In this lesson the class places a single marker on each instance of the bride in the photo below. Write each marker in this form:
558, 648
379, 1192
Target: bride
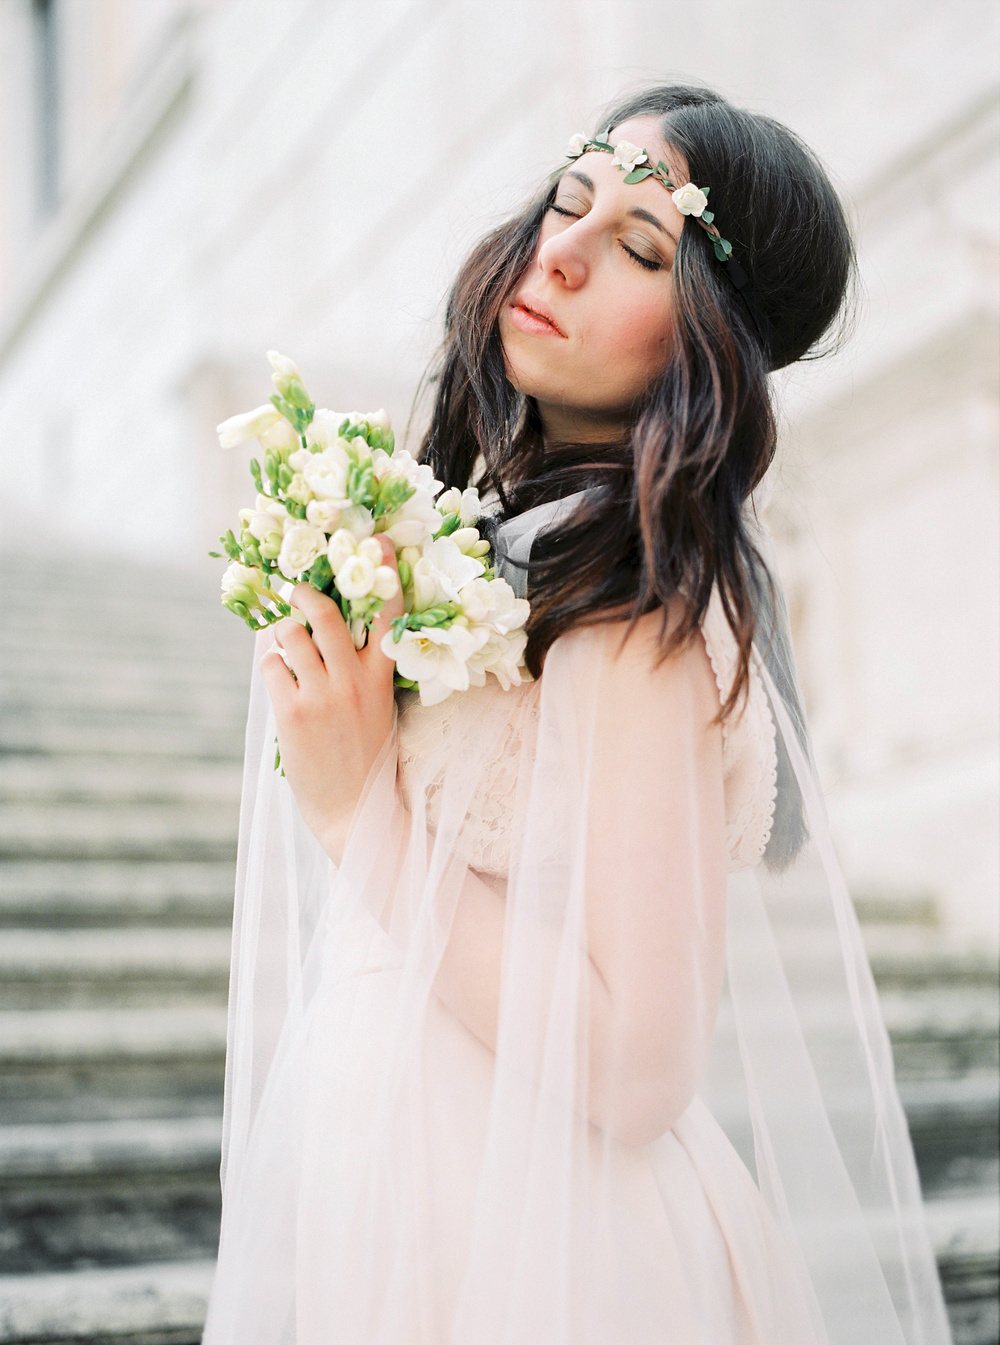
550, 1021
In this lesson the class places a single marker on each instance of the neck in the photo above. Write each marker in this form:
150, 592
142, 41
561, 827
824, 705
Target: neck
572, 425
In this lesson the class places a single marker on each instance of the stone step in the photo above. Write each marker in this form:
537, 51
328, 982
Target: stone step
42, 893
129, 831
158, 1304
58, 664
93, 1060
61, 734
113, 780
114, 697
81, 1150
942, 1031
914, 956
953, 1124
965, 1233
120, 967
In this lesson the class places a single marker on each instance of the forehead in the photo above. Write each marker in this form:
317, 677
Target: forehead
651, 195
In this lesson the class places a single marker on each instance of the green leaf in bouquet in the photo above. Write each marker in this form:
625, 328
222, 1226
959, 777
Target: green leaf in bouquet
405, 573
374, 437
392, 494
252, 553
216, 555
449, 524
388, 441
285, 475
237, 608
361, 483
271, 464
296, 394
255, 473
400, 681
320, 575
345, 425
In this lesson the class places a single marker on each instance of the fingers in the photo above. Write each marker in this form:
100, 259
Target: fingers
278, 678
374, 660
330, 633
303, 656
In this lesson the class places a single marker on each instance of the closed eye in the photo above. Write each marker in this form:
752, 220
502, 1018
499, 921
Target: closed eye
647, 263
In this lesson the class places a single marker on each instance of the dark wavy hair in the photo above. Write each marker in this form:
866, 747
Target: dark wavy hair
669, 521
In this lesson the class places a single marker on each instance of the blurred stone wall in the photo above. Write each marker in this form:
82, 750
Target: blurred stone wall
231, 175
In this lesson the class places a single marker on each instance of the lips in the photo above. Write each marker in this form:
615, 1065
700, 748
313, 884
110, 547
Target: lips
531, 314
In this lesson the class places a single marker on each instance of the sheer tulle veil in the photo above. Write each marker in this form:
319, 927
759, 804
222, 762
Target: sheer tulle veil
367, 1199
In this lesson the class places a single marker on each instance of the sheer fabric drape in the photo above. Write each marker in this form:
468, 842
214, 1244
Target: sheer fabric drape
404, 1166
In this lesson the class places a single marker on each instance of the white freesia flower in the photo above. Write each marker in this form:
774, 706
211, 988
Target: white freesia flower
356, 577
378, 420
264, 524
358, 520
628, 156
249, 425
415, 521
323, 514
464, 503
689, 199
441, 572
239, 576
268, 505
465, 539
285, 373
299, 458
298, 489
281, 437
492, 602
501, 655
401, 463
326, 474
436, 658
301, 545
577, 144
324, 426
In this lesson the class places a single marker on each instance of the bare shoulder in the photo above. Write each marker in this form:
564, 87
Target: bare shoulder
635, 665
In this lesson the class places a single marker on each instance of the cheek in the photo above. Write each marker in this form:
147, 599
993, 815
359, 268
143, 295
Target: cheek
634, 326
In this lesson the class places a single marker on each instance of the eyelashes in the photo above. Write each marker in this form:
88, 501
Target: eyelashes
645, 262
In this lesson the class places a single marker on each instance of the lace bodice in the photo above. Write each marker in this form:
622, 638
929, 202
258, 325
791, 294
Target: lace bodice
748, 758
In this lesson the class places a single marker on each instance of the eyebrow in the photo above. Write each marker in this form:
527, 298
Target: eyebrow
636, 211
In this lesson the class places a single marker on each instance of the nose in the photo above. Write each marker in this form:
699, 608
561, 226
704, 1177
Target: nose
562, 258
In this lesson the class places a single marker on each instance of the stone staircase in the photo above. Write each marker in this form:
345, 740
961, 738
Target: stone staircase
940, 1001
120, 745
122, 707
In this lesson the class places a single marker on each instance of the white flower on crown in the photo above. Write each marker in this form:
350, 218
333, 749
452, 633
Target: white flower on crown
689, 199
300, 546
436, 658
628, 156
577, 144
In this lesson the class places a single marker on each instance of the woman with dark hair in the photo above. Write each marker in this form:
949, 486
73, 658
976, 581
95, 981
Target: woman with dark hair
550, 1021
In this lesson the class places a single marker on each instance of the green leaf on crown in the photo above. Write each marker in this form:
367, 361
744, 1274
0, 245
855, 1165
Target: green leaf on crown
637, 175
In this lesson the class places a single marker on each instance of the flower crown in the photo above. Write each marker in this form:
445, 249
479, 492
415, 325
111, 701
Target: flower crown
689, 199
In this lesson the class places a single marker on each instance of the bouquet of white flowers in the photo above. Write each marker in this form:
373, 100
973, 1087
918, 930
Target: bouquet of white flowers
328, 483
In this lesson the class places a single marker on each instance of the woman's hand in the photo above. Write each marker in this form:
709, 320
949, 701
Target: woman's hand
333, 720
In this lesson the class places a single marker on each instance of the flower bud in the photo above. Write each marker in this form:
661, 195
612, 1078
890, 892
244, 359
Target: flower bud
479, 549
355, 577
342, 546
372, 549
386, 584
249, 425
